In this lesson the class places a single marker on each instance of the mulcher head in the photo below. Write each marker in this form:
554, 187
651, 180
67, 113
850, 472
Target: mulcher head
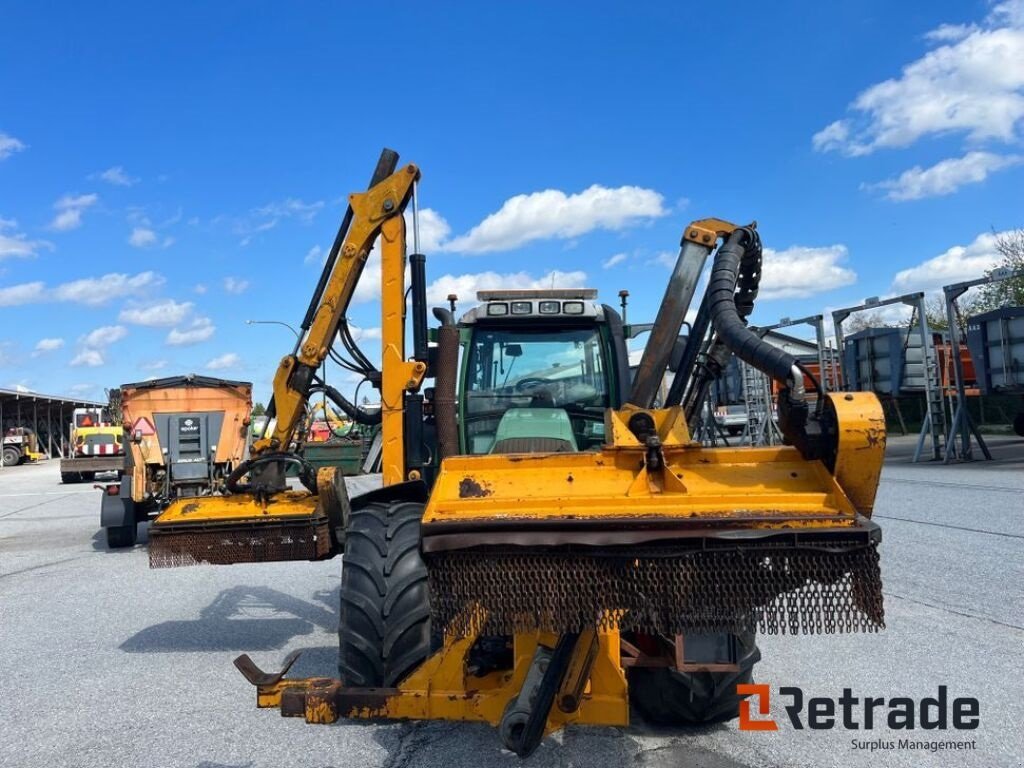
778, 586
687, 540
244, 528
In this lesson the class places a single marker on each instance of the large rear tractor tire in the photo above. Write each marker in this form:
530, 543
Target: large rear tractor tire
121, 536
384, 629
669, 697
1018, 424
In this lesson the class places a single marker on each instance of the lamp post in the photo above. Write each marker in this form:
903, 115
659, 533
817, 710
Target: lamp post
274, 322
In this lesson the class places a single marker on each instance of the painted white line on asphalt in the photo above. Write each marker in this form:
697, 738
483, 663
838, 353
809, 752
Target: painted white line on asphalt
47, 493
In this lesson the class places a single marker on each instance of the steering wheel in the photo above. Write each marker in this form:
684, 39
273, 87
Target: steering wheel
530, 382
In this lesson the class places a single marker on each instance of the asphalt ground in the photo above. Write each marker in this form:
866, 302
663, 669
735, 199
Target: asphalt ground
106, 663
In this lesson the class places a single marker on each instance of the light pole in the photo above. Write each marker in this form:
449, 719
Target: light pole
298, 341
274, 322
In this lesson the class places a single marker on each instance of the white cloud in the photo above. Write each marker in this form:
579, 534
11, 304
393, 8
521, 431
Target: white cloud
22, 388
80, 389
554, 214
832, 136
47, 345
268, 216
961, 262
116, 176
201, 329
153, 365
199, 288
290, 207
95, 291
70, 209
25, 293
228, 360
104, 336
612, 261
163, 314
973, 84
9, 145
91, 291
665, 259
466, 286
90, 358
798, 272
945, 177
368, 287
235, 285
434, 230
142, 237
315, 255
17, 245
365, 334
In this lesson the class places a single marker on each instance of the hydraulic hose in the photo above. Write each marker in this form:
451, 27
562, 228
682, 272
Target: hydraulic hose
351, 410
737, 265
307, 473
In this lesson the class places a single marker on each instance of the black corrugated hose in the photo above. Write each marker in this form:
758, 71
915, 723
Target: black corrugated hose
737, 264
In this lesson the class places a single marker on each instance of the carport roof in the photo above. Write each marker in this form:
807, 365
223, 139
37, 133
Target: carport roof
14, 395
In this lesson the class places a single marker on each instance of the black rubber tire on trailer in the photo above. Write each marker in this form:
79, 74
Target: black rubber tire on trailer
668, 697
1018, 424
70, 477
12, 457
384, 627
121, 536
88, 477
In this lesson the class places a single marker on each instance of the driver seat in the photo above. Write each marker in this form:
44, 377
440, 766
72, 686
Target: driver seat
534, 430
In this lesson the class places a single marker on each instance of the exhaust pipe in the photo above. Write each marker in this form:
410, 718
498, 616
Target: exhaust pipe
445, 378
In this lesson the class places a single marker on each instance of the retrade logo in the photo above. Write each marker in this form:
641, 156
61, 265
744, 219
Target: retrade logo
761, 692
898, 713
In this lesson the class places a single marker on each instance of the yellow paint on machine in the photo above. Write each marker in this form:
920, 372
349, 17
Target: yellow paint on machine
443, 689
766, 486
285, 506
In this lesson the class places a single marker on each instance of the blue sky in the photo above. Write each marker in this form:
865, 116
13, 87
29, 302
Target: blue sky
168, 172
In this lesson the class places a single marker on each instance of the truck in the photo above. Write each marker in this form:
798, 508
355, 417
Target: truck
97, 445
20, 445
184, 435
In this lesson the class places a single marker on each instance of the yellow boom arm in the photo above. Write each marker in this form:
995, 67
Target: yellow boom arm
376, 212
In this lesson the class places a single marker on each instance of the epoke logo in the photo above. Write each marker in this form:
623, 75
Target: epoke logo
189, 425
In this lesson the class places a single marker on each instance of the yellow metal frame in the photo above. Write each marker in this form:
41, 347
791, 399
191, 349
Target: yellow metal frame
442, 689
375, 213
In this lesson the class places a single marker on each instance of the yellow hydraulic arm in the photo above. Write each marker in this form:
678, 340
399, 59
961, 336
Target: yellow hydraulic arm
376, 212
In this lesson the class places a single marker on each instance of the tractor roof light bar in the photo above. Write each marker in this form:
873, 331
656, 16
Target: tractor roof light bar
935, 415
963, 425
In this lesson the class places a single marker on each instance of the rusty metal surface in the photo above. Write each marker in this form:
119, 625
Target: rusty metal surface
240, 543
779, 588
257, 676
601, 532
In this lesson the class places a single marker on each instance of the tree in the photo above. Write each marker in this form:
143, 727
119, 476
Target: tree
1002, 293
860, 321
1009, 292
967, 306
258, 409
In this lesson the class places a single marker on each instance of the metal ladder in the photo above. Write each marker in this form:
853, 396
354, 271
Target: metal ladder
760, 428
830, 374
934, 425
